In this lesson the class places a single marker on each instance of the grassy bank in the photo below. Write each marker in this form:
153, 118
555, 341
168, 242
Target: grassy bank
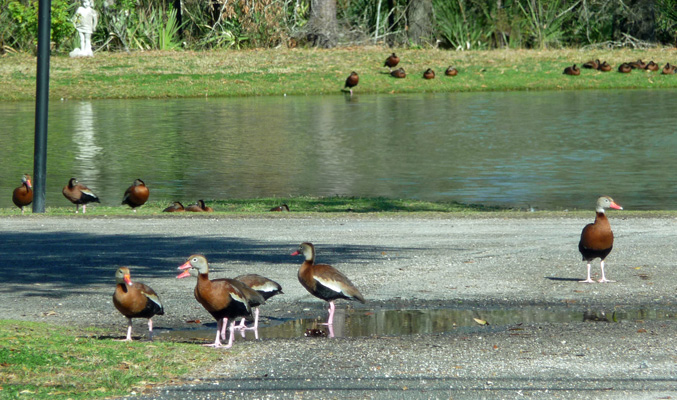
328, 207
313, 71
297, 205
41, 361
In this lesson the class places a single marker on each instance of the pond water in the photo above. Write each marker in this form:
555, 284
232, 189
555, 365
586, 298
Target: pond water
358, 323
554, 150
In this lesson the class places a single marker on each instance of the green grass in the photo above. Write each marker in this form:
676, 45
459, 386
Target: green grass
41, 361
297, 205
326, 207
313, 71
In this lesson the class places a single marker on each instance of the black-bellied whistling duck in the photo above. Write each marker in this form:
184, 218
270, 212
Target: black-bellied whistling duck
399, 73
264, 286
573, 70
429, 74
222, 298
668, 69
200, 206
23, 195
651, 66
175, 207
624, 68
78, 194
639, 64
324, 281
597, 239
451, 71
592, 64
391, 61
281, 208
136, 195
604, 67
135, 300
351, 81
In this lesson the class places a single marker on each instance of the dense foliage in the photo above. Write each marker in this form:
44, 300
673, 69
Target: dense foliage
458, 24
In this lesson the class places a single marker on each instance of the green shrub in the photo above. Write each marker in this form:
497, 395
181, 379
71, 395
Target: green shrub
22, 17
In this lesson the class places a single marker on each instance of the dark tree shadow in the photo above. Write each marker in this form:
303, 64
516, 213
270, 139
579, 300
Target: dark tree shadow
72, 260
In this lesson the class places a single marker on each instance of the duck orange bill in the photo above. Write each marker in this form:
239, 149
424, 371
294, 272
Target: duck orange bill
615, 206
296, 253
183, 274
128, 280
28, 181
186, 270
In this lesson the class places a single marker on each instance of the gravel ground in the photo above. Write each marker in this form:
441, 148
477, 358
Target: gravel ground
61, 270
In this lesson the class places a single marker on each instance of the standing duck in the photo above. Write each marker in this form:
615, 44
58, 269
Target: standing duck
451, 71
391, 61
281, 208
78, 194
351, 81
597, 239
604, 67
136, 195
324, 281
264, 286
398, 73
624, 68
175, 207
668, 69
135, 300
573, 70
222, 298
429, 74
23, 195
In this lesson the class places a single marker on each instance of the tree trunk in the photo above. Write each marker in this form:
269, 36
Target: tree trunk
322, 28
420, 17
390, 39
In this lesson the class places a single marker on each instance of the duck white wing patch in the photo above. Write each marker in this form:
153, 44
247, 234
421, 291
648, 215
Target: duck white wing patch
331, 284
238, 298
89, 193
153, 298
267, 287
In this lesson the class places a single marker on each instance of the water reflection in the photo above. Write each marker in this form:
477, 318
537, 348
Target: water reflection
86, 150
357, 323
544, 149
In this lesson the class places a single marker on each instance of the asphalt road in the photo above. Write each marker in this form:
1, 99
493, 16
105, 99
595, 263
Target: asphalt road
61, 270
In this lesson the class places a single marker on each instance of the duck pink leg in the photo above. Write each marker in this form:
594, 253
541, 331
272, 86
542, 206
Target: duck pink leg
150, 329
84, 208
217, 341
129, 332
256, 321
224, 326
588, 280
232, 335
603, 279
332, 308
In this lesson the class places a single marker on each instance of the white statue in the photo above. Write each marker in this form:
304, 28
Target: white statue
85, 19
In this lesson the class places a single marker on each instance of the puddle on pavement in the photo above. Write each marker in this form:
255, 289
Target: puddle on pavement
360, 323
